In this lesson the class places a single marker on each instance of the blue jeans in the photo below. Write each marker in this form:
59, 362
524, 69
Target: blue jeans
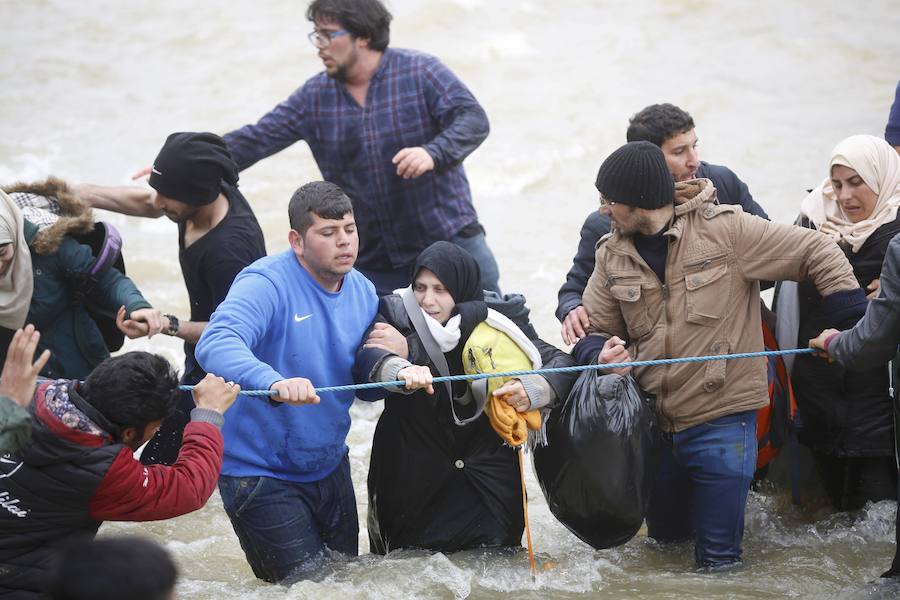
701, 487
284, 526
394, 279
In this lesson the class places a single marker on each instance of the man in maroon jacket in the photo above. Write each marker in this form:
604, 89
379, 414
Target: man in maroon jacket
79, 469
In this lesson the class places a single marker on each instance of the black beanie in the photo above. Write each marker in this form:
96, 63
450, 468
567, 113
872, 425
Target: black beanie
637, 175
190, 168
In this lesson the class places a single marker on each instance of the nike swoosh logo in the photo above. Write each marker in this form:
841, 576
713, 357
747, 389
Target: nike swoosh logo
298, 318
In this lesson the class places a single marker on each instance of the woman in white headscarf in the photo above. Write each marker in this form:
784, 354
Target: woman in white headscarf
847, 417
16, 283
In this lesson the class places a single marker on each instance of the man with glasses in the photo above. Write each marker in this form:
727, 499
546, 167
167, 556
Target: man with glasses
391, 127
672, 129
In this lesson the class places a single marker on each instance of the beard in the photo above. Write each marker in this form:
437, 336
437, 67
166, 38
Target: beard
339, 72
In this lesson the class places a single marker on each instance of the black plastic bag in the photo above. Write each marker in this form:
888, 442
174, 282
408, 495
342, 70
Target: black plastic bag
597, 468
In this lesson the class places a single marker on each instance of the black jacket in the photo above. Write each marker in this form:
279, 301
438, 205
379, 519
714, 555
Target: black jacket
729, 190
433, 484
844, 413
51, 495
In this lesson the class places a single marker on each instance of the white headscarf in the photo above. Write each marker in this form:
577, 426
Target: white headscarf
878, 164
17, 284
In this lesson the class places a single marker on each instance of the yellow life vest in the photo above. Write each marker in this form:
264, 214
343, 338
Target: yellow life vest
489, 350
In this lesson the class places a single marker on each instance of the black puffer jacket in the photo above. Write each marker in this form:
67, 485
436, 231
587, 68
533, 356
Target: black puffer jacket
844, 413
433, 484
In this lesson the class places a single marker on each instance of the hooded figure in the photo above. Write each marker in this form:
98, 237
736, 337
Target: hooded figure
440, 477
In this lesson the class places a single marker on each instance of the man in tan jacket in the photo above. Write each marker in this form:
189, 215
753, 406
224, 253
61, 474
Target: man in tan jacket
679, 276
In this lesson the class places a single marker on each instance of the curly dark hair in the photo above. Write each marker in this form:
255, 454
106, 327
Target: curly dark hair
368, 19
657, 123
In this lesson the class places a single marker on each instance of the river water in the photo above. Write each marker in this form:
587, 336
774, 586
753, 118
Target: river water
92, 88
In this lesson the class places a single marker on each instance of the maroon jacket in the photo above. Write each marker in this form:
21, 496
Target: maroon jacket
73, 475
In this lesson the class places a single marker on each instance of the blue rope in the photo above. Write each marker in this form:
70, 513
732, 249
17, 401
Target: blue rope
638, 363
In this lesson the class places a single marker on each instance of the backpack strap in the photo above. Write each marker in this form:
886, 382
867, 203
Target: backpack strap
479, 387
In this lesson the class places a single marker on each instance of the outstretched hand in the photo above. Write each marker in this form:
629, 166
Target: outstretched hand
143, 322
19, 373
820, 341
575, 325
215, 393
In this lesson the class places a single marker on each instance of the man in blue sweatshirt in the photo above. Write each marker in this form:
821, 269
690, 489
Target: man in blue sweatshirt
292, 321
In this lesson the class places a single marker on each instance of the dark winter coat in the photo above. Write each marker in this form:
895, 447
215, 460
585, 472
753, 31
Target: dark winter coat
844, 413
433, 484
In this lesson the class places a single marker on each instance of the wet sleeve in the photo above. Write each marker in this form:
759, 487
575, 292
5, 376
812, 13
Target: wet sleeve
595, 226
275, 131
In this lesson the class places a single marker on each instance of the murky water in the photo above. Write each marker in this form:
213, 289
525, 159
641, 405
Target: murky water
91, 89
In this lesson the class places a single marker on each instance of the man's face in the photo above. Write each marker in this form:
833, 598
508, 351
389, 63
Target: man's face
681, 155
627, 220
177, 211
7, 253
328, 249
341, 53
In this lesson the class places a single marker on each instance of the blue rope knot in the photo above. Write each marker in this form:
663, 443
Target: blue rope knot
474, 376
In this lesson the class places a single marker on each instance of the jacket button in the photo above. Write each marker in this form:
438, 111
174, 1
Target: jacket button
709, 386
459, 464
708, 212
631, 294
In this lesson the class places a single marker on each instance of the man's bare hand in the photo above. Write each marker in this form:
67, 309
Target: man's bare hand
413, 162
142, 322
818, 343
514, 393
19, 373
215, 393
417, 377
614, 351
873, 288
295, 391
575, 325
386, 337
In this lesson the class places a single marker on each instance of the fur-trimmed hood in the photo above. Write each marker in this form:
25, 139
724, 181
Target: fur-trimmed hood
74, 215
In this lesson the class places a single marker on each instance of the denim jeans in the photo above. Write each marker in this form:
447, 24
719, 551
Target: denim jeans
701, 487
476, 245
284, 527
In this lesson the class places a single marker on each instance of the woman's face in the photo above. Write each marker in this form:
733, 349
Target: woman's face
7, 252
432, 296
856, 199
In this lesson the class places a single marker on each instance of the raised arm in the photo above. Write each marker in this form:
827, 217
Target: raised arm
275, 131
225, 348
127, 200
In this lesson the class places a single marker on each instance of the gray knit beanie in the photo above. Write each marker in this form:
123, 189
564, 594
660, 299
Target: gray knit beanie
636, 174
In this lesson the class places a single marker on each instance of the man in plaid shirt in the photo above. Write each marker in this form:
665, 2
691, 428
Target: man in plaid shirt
391, 127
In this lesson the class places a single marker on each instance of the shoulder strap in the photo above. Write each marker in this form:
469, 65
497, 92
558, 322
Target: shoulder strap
440, 362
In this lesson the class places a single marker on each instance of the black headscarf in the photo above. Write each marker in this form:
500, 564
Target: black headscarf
191, 167
459, 273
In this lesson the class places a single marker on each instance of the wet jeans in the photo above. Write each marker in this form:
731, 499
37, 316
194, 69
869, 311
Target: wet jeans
701, 487
285, 527
476, 245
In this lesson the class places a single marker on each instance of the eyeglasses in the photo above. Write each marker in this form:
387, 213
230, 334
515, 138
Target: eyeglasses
604, 201
322, 39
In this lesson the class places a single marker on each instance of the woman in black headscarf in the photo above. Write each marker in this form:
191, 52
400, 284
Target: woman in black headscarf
440, 477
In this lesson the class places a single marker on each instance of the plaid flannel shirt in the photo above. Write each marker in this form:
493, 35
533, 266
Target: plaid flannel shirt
413, 100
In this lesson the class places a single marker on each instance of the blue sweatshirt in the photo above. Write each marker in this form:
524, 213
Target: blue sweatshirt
278, 323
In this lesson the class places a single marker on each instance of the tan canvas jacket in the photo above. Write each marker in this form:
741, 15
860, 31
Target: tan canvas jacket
710, 303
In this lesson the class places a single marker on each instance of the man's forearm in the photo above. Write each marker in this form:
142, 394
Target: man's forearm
127, 200
190, 331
